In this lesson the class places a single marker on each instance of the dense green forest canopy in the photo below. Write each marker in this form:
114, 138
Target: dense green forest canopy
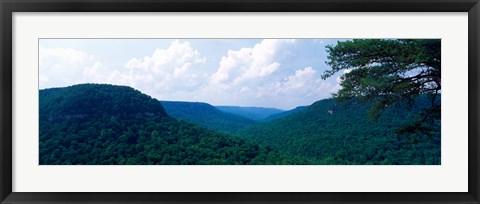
330, 132
105, 124
93, 100
386, 71
206, 115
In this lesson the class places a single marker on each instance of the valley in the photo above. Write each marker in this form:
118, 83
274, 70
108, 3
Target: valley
120, 125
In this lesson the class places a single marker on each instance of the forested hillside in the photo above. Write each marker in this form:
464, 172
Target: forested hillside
205, 115
106, 124
285, 113
342, 133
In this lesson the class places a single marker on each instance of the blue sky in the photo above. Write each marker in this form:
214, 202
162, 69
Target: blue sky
280, 73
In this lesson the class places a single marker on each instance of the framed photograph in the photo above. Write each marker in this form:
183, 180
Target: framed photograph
227, 102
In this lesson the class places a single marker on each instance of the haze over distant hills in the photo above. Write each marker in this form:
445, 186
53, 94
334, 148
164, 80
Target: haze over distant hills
254, 113
206, 115
283, 114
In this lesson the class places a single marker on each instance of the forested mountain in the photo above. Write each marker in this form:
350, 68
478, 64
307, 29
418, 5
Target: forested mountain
285, 113
93, 100
105, 124
254, 113
338, 133
205, 115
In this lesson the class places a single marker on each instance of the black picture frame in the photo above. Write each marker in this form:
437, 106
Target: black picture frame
7, 7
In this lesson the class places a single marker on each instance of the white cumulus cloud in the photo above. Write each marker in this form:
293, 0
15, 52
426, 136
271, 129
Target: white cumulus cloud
164, 71
250, 63
300, 81
66, 66
271, 73
302, 85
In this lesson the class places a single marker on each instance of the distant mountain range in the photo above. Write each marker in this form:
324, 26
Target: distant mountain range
213, 118
283, 114
206, 115
254, 113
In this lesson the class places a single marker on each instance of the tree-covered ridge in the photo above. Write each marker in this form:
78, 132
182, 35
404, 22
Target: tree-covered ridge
95, 100
283, 114
206, 115
331, 132
104, 124
254, 113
